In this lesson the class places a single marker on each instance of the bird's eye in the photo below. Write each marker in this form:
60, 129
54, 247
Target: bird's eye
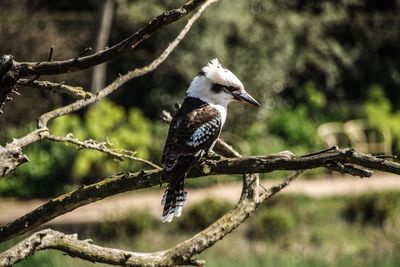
217, 88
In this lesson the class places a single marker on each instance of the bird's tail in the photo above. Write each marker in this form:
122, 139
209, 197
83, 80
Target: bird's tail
173, 200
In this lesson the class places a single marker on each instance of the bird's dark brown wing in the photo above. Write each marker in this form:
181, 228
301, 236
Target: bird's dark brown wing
190, 136
192, 133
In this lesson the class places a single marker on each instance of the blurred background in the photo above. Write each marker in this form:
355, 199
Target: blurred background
326, 73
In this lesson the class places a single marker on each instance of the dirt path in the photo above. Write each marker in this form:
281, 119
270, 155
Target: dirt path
112, 207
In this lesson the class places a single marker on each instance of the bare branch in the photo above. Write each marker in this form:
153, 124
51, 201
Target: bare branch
8, 78
225, 149
227, 223
10, 159
349, 168
102, 147
122, 182
181, 254
42, 130
74, 91
80, 63
49, 239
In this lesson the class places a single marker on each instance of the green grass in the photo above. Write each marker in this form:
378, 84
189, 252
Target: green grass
319, 235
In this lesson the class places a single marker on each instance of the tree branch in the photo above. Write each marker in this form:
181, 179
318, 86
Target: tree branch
74, 91
10, 159
49, 239
42, 131
80, 63
122, 182
120, 154
8, 78
181, 254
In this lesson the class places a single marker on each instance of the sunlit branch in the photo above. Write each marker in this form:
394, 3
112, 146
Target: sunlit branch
74, 91
101, 147
122, 182
181, 254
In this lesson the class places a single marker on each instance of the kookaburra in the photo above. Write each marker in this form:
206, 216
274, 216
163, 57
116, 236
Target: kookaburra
195, 128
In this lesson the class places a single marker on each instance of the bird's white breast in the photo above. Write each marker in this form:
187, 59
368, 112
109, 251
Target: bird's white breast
222, 111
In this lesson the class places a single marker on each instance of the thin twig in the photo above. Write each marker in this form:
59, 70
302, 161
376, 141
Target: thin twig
382, 156
332, 148
275, 189
79, 63
42, 130
50, 57
102, 147
74, 91
84, 52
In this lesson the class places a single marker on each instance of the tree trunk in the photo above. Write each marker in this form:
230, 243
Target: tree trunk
105, 18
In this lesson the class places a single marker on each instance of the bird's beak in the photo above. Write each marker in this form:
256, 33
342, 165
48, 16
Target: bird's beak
246, 98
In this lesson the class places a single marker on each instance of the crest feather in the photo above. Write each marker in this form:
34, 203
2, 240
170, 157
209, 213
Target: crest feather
215, 62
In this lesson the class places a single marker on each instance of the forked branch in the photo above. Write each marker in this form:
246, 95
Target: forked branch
80, 63
181, 254
119, 154
42, 131
122, 182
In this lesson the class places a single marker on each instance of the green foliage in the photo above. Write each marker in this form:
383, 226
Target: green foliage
132, 223
310, 58
379, 112
53, 166
289, 128
320, 237
270, 224
45, 174
106, 121
139, 221
372, 209
316, 100
272, 46
202, 214
295, 127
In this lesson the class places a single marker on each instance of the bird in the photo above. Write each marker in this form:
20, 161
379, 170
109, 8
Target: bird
195, 128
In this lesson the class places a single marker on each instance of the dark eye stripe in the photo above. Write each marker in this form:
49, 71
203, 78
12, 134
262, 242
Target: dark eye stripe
231, 88
217, 88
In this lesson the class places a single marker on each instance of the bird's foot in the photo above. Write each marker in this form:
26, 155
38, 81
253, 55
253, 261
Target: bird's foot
212, 155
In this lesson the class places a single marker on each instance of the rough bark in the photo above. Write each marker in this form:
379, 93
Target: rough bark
181, 254
74, 91
10, 159
126, 181
79, 63
43, 132
8, 79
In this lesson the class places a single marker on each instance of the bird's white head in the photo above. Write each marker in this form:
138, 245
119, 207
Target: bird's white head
218, 85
